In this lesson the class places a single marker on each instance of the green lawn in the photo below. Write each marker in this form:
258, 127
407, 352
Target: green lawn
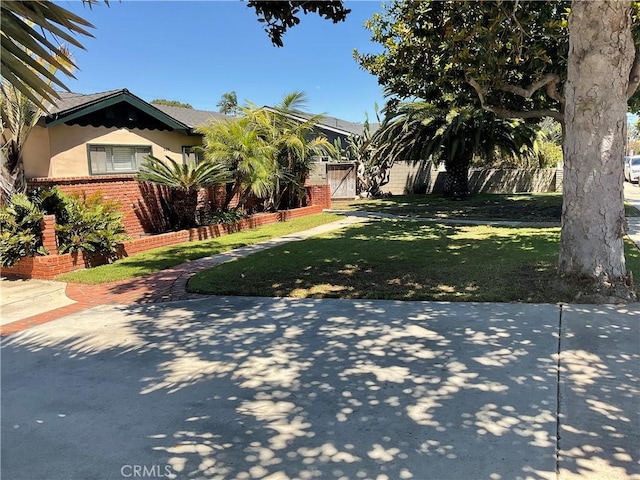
405, 261
527, 207
158, 259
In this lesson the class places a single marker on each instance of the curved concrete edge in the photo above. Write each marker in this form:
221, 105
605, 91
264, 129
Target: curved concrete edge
21, 299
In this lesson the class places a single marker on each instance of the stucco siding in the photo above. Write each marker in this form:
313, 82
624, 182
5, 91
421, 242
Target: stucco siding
61, 151
37, 148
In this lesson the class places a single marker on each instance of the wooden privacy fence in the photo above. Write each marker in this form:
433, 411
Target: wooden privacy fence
342, 179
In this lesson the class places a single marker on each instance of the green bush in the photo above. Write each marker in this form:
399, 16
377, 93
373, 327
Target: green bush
90, 225
549, 154
233, 215
20, 230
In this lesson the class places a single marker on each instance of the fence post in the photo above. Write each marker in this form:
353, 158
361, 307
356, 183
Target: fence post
49, 241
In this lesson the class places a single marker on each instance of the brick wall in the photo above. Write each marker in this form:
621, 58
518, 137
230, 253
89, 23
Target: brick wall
319, 195
140, 202
49, 266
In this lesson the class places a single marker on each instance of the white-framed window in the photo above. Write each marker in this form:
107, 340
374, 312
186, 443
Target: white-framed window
192, 154
105, 159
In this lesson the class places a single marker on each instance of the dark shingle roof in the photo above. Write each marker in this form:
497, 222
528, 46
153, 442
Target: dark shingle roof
336, 124
190, 117
70, 102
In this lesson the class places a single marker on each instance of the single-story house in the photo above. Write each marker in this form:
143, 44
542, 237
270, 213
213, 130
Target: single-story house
109, 133
96, 142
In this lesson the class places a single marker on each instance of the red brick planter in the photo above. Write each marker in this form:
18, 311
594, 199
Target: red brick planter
140, 202
49, 266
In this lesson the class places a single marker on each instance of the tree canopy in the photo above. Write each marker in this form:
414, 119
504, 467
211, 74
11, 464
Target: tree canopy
577, 62
282, 15
510, 57
171, 103
228, 103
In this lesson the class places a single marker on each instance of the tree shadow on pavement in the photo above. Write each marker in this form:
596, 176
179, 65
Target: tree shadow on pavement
244, 388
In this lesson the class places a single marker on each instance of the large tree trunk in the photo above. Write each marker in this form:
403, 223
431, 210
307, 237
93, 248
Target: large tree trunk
601, 54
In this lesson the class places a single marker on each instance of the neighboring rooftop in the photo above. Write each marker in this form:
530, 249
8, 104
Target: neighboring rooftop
189, 116
70, 104
333, 123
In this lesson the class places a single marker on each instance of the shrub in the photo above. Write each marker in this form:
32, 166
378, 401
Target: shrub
90, 225
183, 181
222, 216
20, 230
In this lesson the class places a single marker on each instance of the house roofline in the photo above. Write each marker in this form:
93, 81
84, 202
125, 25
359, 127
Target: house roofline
112, 99
303, 119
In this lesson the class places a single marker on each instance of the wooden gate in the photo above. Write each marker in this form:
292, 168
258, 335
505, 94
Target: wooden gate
342, 179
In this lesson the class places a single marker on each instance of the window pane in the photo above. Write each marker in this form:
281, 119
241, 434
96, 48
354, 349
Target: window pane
116, 158
98, 159
141, 155
189, 155
192, 154
123, 159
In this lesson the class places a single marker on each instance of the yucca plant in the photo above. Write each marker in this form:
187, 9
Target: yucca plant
184, 181
19, 114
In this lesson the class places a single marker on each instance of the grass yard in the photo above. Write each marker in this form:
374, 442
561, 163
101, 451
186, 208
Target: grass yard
166, 257
405, 261
527, 207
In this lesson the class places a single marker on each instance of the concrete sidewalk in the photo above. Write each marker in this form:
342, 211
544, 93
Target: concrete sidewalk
26, 303
243, 388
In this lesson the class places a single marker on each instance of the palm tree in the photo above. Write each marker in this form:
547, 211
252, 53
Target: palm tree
27, 51
420, 131
184, 181
236, 143
269, 150
228, 103
296, 144
18, 116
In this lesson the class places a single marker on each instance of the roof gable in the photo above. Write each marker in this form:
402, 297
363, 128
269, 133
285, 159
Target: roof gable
112, 108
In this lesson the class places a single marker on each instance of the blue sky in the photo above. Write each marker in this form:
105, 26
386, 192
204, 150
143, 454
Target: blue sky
194, 52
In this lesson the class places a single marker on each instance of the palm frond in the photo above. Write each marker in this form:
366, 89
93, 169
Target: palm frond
32, 32
186, 176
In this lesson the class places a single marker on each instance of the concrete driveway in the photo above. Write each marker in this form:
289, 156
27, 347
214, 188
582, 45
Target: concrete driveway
23, 298
255, 388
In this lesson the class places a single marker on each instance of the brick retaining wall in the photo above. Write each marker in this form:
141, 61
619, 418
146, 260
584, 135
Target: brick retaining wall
140, 201
49, 266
